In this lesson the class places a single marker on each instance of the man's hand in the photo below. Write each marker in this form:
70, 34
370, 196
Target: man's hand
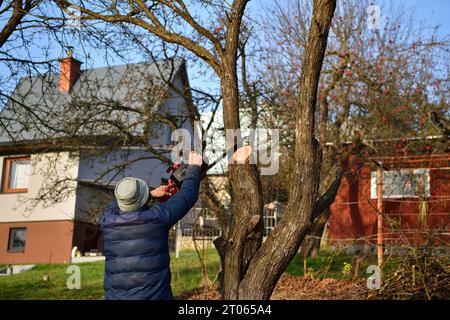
159, 192
195, 159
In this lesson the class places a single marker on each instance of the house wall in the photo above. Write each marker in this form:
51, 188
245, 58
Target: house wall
49, 228
353, 214
91, 202
150, 170
46, 242
87, 236
16, 207
53, 228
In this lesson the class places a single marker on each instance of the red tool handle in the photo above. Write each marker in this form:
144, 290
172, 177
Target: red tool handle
171, 187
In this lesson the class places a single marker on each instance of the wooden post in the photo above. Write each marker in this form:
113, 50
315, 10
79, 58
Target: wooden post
380, 217
304, 264
177, 239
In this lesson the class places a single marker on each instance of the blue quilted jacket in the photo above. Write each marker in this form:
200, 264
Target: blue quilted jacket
136, 244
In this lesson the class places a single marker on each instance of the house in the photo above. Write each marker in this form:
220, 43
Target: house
416, 196
52, 195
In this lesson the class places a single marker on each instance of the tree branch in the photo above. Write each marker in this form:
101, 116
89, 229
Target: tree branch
156, 28
441, 123
327, 198
20, 10
194, 24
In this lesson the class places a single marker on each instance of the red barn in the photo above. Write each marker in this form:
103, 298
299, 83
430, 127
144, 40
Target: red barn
416, 198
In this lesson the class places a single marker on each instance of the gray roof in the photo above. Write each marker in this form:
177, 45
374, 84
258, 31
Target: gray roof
38, 110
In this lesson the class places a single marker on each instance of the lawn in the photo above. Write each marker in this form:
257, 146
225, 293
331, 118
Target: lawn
30, 284
186, 275
338, 265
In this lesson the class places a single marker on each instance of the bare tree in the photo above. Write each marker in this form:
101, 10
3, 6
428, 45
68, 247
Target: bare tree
249, 269
85, 122
29, 37
329, 119
98, 124
374, 84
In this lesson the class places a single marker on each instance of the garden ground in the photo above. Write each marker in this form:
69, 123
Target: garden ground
331, 275
291, 287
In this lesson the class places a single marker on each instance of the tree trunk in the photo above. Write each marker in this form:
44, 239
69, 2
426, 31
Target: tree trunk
311, 245
244, 236
20, 10
330, 168
280, 247
334, 163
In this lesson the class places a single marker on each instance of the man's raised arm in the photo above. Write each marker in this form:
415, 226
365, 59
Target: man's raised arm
179, 205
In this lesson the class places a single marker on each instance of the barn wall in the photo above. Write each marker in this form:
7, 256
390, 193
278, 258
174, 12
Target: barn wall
353, 213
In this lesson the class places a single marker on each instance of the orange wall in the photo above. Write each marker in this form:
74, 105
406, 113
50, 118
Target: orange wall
46, 242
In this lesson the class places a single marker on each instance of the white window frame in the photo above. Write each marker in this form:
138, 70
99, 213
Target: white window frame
270, 219
419, 171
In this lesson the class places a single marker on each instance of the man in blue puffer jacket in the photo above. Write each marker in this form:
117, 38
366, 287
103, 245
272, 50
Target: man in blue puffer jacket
136, 236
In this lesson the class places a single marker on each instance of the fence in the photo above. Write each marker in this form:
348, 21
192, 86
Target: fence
352, 223
201, 224
404, 221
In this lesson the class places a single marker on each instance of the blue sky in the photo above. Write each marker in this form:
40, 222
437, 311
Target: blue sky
435, 12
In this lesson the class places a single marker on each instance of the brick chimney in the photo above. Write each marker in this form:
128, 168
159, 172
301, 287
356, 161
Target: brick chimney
69, 70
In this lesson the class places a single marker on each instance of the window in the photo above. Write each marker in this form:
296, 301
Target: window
17, 237
16, 174
402, 183
270, 220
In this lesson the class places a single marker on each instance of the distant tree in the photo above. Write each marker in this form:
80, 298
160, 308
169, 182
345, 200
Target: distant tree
375, 85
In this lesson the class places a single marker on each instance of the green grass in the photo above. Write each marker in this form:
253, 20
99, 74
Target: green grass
331, 264
186, 275
186, 271
30, 284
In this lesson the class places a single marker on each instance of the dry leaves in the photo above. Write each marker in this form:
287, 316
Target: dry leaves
298, 288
